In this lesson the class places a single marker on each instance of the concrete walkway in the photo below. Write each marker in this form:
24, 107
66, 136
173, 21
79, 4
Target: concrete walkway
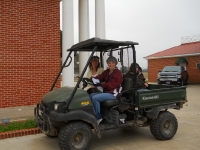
186, 138
17, 113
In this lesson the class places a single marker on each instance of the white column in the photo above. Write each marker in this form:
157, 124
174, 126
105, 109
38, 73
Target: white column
83, 31
100, 19
67, 41
100, 22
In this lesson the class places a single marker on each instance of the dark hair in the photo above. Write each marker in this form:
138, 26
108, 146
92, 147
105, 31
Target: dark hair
90, 64
137, 66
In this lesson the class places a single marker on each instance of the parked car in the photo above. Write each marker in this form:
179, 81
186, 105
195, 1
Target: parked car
173, 74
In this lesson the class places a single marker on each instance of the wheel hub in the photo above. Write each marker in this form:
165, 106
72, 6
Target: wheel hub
167, 127
77, 138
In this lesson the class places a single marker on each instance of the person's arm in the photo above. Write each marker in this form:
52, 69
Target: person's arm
141, 81
114, 82
102, 76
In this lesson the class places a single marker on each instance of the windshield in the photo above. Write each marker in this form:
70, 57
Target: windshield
171, 69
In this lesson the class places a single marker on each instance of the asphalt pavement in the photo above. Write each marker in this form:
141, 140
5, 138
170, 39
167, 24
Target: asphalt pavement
186, 138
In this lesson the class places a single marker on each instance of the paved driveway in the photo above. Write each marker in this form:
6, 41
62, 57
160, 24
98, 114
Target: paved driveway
186, 138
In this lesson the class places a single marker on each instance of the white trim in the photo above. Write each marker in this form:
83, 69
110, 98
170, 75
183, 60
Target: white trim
194, 54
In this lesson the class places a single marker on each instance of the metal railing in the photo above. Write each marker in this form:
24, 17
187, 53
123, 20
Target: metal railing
190, 39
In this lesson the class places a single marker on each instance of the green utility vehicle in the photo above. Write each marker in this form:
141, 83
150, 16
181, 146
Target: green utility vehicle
67, 112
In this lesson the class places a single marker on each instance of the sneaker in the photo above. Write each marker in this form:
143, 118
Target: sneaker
99, 120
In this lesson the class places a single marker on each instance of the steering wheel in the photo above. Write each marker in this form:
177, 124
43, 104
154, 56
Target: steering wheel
86, 81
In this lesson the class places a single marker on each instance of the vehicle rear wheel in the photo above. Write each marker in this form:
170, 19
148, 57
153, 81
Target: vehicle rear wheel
75, 136
186, 81
182, 83
164, 127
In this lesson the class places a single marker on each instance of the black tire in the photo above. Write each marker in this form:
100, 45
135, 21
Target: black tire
182, 82
164, 127
159, 82
75, 136
186, 81
51, 136
53, 133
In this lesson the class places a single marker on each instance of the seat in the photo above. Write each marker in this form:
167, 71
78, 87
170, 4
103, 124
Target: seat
126, 95
126, 86
109, 103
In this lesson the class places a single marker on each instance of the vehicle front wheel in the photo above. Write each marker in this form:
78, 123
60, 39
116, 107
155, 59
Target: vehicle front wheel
52, 133
164, 127
75, 136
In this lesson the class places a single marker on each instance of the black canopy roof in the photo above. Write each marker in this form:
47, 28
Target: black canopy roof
102, 44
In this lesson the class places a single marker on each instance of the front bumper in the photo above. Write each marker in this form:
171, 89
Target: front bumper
43, 121
169, 80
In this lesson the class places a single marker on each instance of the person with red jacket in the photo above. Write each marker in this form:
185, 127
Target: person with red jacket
110, 80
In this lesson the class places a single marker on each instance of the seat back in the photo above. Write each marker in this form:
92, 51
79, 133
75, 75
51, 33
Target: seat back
127, 84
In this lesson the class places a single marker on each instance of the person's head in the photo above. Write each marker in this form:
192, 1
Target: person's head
112, 62
138, 68
94, 63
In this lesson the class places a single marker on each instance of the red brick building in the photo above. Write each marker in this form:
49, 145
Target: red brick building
29, 51
187, 55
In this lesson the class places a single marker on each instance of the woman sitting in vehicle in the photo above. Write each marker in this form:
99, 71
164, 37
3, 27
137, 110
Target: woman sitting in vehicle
94, 70
141, 84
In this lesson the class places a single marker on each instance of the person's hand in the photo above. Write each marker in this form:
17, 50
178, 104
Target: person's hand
88, 80
97, 84
146, 84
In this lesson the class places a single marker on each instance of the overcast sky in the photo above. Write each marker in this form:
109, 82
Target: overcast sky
155, 24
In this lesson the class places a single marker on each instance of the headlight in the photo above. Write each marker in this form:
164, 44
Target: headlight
60, 107
56, 106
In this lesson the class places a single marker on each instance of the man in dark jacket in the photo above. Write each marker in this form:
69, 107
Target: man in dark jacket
141, 84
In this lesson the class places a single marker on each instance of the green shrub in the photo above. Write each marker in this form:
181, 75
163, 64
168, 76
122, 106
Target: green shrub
29, 123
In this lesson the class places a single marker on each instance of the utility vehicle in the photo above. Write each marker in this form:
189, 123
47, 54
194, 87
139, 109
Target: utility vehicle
67, 112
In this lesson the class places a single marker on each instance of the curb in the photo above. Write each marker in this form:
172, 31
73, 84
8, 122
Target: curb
18, 133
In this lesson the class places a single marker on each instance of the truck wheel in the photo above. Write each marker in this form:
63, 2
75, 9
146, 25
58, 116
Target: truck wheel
182, 83
75, 136
52, 133
51, 136
164, 127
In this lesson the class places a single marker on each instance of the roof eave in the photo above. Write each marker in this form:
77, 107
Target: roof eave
159, 57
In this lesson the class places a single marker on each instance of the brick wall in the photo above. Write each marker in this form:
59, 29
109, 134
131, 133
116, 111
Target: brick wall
154, 65
29, 51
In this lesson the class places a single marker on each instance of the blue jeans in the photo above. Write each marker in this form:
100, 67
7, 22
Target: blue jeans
96, 98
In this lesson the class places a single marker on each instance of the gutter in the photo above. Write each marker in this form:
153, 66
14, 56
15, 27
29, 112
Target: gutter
194, 54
